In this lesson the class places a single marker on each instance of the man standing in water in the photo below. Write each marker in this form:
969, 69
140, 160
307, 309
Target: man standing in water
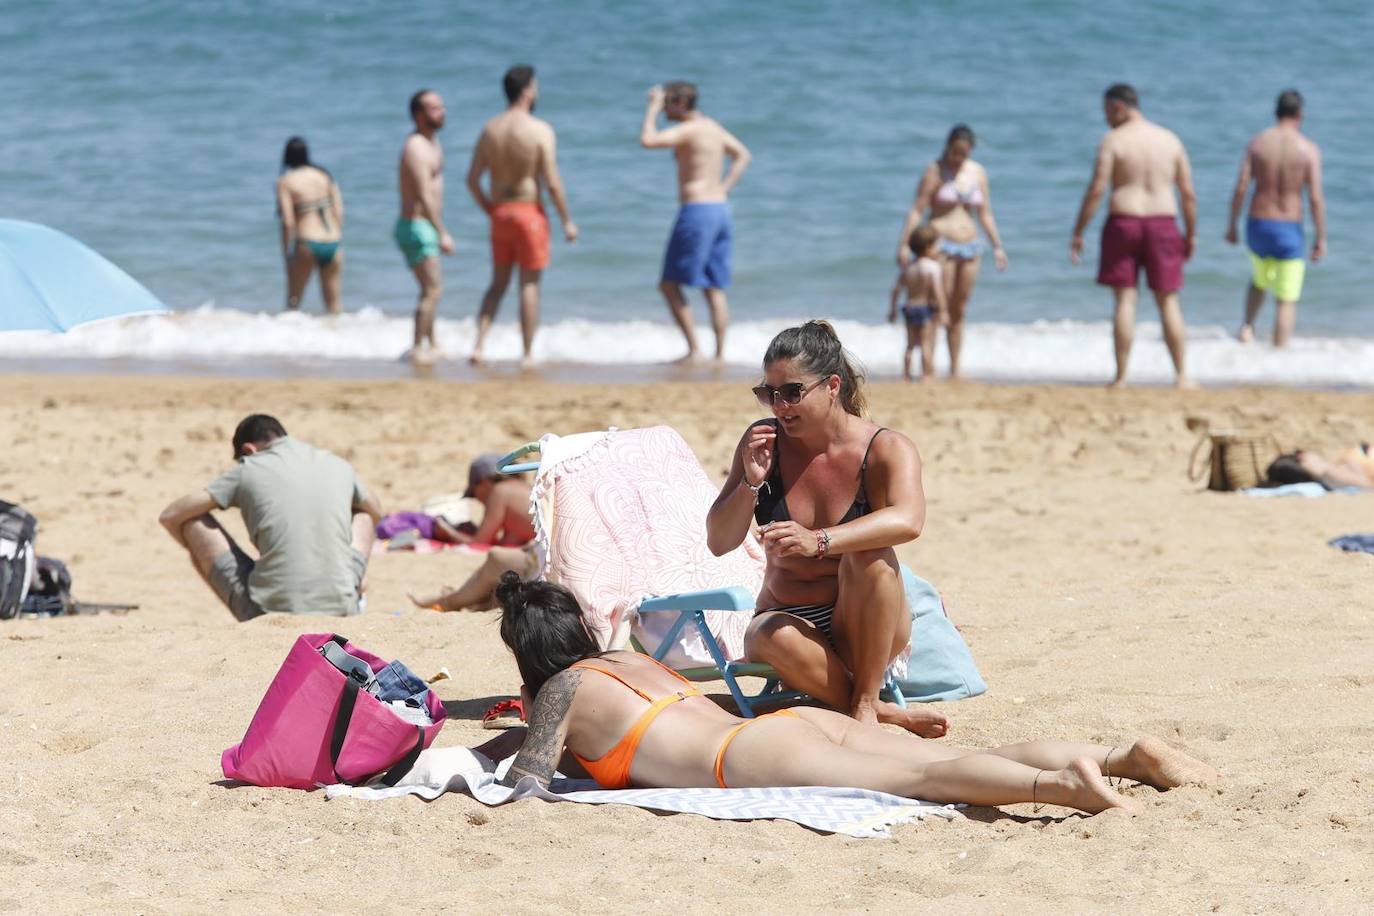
518, 150
699, 248
1143, 163
420, 232
1281, 162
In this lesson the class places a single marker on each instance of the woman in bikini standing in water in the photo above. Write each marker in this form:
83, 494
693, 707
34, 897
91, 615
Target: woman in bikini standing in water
954, 189
311, 211
833, 494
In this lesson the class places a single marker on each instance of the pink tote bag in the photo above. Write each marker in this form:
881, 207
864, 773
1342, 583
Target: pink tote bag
316, 727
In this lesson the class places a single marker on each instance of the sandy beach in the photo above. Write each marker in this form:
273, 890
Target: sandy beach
1102, 593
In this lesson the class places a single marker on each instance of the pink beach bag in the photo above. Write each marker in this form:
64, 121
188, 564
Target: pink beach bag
316, 727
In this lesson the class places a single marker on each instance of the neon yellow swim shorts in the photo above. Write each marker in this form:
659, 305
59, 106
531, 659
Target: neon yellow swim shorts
1282, 275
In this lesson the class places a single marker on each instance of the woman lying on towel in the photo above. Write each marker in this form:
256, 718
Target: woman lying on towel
628, 721
833, 493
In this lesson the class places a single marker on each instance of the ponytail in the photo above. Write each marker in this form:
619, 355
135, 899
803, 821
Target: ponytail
817, 350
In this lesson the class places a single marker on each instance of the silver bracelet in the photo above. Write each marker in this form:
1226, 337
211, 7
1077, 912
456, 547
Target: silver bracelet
754, 489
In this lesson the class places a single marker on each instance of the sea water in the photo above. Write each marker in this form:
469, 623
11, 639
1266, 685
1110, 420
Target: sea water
152, 130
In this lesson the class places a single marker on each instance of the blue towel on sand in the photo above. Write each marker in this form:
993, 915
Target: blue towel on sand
1354, 543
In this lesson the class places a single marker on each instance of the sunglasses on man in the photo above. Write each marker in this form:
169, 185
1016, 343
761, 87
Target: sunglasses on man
790, 394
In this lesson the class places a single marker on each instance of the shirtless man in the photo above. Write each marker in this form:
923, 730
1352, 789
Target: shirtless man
1143, 163
1281, 162
699, 247
420, 232
517, 149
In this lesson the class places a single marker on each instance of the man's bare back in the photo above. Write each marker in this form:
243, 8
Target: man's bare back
1281, 164
1145, 163
513, 145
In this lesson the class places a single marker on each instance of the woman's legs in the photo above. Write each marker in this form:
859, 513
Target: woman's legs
331, 281
960, 278
298, 268
781, 751
476, 592
871, 625
1146, 760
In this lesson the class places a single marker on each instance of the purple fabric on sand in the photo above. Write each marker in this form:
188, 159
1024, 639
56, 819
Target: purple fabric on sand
393, 524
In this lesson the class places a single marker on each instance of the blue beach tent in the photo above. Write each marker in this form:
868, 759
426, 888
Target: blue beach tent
51, 282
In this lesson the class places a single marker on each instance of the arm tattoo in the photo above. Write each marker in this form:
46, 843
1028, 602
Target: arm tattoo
543, 746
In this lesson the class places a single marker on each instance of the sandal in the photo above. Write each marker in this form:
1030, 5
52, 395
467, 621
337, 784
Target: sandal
505, 714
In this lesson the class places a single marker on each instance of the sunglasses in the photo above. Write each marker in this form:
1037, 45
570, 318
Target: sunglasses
790, 394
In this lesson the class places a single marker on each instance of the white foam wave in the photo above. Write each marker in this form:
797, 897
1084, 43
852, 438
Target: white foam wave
1045, 350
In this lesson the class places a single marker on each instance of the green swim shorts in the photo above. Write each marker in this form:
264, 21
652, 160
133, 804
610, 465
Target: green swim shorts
1282, 275
417, 239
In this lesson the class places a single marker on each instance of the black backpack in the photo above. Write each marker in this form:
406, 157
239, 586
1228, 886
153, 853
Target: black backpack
17, 558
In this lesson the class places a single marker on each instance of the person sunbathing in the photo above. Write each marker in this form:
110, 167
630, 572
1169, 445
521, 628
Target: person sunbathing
1353, 467
505, 526
626, 720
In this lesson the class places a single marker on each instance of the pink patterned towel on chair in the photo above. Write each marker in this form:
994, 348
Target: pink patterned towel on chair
628, 522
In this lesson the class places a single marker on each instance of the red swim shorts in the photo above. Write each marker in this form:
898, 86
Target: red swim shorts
1132, 242
520, 235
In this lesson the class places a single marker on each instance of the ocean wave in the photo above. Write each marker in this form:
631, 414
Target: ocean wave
1066, 351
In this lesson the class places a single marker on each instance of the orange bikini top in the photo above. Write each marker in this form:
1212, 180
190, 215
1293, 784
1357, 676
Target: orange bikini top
612, 769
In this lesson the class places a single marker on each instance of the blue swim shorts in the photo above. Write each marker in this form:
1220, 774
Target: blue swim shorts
918, 315
699, 247
1279, 239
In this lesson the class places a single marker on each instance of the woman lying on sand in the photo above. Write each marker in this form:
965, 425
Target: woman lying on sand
629, 721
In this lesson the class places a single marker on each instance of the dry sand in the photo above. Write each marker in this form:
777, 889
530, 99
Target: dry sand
1102, 594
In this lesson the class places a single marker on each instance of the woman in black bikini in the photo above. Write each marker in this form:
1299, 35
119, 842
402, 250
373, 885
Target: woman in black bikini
833, 494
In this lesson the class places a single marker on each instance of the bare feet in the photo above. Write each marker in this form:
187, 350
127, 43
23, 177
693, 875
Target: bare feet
1246, 334
423, 355
1154, 763
476, 358
920, 721
1080, 785
693, 358
527, 362
1117, 385
1184, 383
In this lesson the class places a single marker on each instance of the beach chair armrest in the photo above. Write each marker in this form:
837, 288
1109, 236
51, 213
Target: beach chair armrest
507, 463
715, 599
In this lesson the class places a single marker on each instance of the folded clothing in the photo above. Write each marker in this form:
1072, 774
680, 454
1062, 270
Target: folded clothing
1354, 543
396, 522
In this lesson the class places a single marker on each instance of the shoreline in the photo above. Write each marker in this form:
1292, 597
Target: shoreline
458, 370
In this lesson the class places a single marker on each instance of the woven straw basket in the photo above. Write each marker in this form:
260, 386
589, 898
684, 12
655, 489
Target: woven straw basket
1236, 460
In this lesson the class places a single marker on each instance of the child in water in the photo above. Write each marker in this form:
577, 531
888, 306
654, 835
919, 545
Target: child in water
925, 308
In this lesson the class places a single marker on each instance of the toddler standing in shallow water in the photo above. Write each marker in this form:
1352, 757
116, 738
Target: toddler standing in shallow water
925, 308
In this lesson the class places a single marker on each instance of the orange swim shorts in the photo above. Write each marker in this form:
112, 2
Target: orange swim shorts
520, 235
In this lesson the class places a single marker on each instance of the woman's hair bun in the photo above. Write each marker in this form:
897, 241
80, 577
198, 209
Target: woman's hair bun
508, 589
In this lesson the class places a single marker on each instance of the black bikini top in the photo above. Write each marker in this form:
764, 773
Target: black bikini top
772, 504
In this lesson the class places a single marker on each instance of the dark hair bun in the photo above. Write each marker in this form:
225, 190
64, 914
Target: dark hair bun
509, 589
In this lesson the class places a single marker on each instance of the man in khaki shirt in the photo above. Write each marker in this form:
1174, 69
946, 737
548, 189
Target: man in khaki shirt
307, 514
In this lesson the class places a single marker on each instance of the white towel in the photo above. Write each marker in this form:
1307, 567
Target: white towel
858, 813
